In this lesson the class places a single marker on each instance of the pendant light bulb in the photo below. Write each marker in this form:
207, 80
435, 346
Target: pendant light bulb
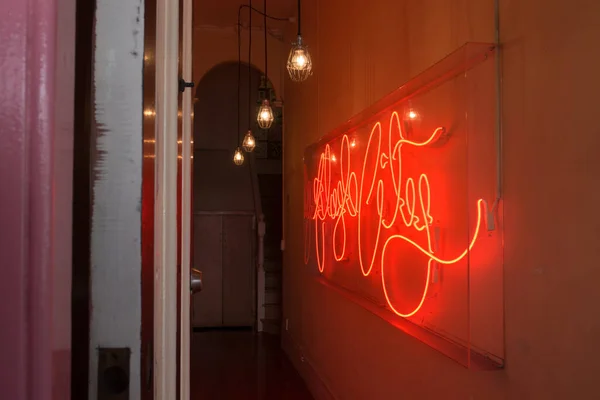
299, 64
265, 116
238, 157
249, 142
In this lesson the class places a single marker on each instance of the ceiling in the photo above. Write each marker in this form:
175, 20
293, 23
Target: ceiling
224, 13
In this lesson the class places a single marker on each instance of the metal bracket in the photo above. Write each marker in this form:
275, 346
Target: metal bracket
195, 281
183, 85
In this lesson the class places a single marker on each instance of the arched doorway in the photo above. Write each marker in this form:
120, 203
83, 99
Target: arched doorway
229, 199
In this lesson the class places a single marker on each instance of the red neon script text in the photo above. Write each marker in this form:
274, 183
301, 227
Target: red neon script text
363, 196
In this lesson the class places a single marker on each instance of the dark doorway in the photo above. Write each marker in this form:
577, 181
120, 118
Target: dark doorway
238, 194
229, 199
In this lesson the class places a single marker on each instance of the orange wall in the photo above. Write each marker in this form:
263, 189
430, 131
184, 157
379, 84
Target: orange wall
363, 50
216, 45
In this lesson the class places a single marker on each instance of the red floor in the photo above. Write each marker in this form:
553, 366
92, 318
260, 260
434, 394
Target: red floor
231, 365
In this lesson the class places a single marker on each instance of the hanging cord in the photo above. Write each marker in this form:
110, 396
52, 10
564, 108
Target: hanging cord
239, 77
250, 66
265, 28
262, 13
299, 17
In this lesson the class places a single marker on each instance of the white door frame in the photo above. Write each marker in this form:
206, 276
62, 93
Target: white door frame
165, 208
186, 202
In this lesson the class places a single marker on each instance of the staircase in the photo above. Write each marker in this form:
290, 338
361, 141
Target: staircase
270, 186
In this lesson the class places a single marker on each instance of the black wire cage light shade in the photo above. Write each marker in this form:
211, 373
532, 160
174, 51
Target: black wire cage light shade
299, 63
249, 143
265, 116
238, 157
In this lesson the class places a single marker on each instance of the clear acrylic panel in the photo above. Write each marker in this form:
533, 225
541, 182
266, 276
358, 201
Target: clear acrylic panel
400, 213
486, 258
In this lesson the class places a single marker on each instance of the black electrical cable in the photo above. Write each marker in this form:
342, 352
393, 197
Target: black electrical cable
249, 66
299, 17
261, 13
265, 27
239, 78
239, 26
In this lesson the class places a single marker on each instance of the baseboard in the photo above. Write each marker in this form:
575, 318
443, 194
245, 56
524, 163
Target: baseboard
317, 387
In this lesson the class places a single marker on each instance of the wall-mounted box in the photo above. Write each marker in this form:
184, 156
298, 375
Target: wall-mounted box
113, 373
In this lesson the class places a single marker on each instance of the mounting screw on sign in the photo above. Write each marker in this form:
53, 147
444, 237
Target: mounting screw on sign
183, 85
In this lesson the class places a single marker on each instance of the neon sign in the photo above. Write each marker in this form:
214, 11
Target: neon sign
370, 196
